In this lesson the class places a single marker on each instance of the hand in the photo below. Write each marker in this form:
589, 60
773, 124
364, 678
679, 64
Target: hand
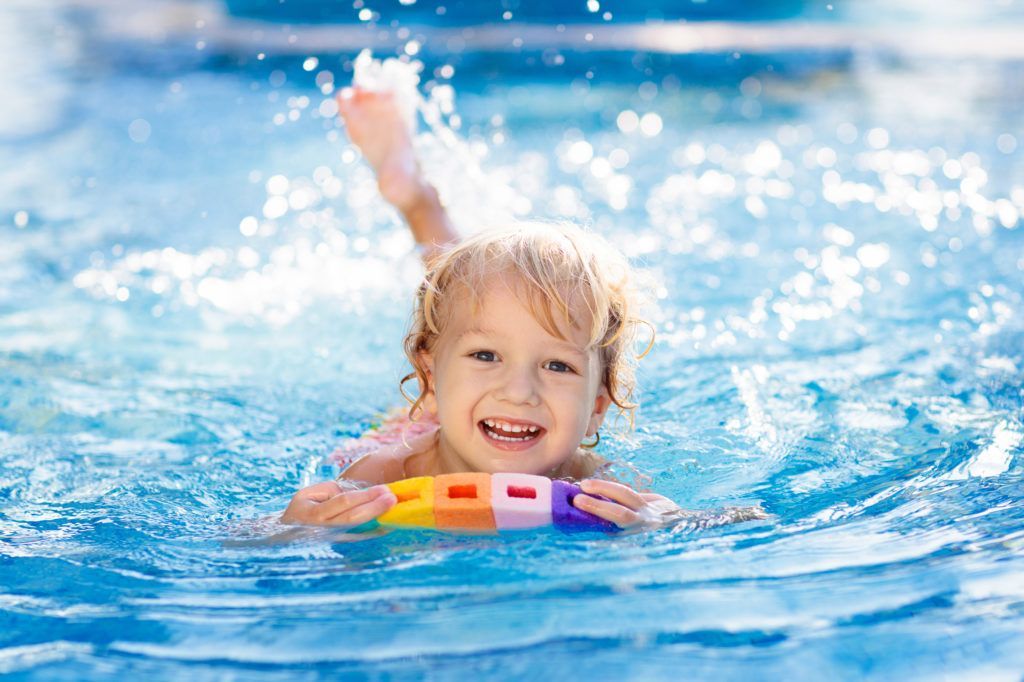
625, 507
326, 504
375, 125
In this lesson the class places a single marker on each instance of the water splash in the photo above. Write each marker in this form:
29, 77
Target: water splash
310, 240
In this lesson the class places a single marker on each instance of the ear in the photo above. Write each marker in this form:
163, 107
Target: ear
601, 404
427, 364
426, 361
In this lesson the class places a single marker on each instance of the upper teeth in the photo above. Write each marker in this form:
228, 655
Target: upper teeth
505, 426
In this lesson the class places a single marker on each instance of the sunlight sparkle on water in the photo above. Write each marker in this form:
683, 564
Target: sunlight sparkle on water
628, 121
924, 186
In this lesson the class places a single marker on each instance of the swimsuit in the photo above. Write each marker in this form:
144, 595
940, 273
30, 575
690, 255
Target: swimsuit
393, 428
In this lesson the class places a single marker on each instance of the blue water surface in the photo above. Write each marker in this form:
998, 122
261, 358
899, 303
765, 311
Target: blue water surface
202, 295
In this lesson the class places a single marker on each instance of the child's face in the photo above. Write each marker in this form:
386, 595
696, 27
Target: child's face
496, 368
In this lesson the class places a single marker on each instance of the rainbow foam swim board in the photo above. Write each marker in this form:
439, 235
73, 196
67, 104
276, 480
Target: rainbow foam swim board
488, 502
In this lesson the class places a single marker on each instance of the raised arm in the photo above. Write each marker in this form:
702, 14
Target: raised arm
375, 125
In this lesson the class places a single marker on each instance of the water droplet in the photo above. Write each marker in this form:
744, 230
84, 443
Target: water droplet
277, 185
628, 121
248, 226
750, 87
873, 255
328, 108
275, 207
139, 130
650, 124
878, 138
846, 133
580, 153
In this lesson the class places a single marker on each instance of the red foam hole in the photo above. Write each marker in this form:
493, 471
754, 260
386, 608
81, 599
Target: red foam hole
523, 491
455, 491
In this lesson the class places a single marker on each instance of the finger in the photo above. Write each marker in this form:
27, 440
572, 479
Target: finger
622, 494
609, 511
341, 503
321, 492
367, 512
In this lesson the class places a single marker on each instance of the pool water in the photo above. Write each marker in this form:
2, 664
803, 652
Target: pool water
201, 295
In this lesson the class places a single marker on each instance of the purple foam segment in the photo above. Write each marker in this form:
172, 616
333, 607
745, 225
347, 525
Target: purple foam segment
566, 517
521, 501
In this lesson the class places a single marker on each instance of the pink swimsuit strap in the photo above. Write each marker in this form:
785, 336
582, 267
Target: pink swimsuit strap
395, 427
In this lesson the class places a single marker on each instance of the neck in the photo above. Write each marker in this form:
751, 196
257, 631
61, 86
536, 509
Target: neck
448, 461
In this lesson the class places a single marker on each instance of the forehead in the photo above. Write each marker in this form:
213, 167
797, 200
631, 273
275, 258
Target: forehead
505, 307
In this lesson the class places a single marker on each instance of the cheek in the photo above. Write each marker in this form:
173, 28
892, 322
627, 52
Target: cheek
452, 392
575, 404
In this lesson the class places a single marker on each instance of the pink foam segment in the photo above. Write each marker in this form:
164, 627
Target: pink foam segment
520, 501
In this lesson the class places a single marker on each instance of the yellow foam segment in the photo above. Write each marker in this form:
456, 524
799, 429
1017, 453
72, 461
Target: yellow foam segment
415, 505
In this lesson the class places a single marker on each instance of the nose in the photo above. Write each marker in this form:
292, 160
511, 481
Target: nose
518, 385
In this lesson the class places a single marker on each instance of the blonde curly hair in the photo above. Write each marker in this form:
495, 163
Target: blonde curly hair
557, 268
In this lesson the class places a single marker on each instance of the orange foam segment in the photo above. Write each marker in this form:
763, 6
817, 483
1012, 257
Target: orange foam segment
463, 501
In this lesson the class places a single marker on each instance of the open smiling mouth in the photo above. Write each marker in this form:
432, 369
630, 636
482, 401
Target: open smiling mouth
505, 434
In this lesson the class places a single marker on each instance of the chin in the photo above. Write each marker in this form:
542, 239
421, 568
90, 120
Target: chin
509, 467
520, 467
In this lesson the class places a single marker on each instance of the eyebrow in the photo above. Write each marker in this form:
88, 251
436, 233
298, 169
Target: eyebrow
562, 345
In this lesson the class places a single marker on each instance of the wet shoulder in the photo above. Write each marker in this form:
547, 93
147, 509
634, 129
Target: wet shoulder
583, 464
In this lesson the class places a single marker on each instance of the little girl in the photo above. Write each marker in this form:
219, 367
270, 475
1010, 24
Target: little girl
522, 338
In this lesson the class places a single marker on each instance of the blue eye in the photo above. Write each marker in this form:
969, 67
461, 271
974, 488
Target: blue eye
483, 356
560, 367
